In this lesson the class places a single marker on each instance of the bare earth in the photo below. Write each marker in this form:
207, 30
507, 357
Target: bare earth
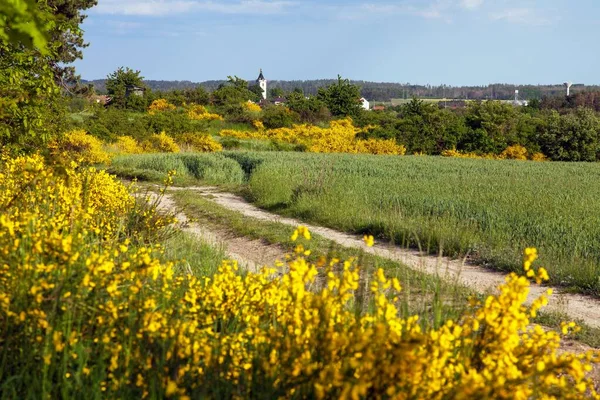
254, 253
249, 254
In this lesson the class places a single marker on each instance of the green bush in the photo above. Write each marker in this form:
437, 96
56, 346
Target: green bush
172, 122
279, 117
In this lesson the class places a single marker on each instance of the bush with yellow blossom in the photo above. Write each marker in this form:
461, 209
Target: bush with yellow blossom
81, 147
199, 142
85, 312
127, 145
160, 105
200, 113
161, 143
514, 152
339, 137
253, 107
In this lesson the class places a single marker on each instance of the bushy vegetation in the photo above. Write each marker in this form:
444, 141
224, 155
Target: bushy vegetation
113, 319
99, 297
339, 137
485, 129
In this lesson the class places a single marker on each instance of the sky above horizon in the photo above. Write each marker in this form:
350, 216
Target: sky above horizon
453, 42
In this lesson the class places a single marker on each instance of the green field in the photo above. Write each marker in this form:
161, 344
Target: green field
488, 210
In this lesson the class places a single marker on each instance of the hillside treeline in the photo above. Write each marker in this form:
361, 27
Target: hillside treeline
562, 128
385, 91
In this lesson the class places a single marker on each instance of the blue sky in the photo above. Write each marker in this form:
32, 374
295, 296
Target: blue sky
454, 42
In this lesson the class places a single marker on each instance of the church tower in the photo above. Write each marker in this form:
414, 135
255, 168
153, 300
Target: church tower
262, 82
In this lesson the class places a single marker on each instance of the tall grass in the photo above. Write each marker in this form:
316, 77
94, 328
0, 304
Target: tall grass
489, 210
207, 167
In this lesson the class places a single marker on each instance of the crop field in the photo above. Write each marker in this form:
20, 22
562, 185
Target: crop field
489, 210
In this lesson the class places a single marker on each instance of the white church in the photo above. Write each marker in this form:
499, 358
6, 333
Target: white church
262, 82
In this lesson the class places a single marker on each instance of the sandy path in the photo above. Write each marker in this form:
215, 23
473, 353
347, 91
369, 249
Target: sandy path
480, 279
249, 254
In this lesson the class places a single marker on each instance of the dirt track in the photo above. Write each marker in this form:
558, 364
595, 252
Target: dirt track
254, 253
249, 254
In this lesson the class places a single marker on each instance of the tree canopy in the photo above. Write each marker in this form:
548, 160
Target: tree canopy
342, 98
38, 39
117, 83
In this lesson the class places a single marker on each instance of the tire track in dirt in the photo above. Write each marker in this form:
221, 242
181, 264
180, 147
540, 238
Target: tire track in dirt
483, 280
249, 254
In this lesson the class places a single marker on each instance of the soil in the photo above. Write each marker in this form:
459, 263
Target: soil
249, 254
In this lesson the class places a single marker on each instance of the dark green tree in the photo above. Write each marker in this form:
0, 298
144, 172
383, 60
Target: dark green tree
427, 128
66, 37
571, 137
38, 39
197, 95
233, 93
117, 83
257, 91
342, 98
276, 92
494, 120
311, 110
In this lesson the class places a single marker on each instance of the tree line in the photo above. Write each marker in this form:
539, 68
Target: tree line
563, 128
386, 91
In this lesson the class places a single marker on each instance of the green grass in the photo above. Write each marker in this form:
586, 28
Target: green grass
210, 168
192, 255
489, 210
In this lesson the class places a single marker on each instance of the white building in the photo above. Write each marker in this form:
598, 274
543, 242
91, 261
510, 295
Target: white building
365, 103
262, 82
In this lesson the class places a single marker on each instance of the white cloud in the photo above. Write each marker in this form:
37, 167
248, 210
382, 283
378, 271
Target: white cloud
522, 16
431, 11
471, 4
165, 7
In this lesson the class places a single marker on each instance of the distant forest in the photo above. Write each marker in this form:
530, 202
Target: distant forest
384, 92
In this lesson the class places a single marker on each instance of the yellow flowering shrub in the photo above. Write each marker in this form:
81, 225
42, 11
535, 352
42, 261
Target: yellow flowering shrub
199, 142
161, 143
340, 137
538, 157
78, 146
252, 107
380, 146
457, 154
85, 313
258, 125
117, 321
200, 113
515, 152
160, 105
127, 145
